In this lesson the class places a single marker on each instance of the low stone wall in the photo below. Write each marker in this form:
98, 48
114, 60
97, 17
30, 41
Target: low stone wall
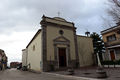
111, 66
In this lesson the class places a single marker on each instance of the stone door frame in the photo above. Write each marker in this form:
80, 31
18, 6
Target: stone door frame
110, 53
66, 45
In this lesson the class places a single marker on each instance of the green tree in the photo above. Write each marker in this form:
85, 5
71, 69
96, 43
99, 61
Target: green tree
98, 44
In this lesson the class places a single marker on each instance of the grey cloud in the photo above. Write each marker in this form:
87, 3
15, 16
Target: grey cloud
22, 15
25, 15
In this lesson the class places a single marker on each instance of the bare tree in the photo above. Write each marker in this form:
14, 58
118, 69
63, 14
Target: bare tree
117, 2
114, 10
107, 23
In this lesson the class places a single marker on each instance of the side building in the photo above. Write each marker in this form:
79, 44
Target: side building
24, 57
3, 60
57, 46
111, 38
15, 64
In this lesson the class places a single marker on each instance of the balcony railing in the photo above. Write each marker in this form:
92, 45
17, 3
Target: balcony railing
112, 43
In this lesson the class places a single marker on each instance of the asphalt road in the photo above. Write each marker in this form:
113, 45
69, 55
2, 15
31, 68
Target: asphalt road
13, 74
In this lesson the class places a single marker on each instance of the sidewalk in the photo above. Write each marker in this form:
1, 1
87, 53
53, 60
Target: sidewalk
71, 76
90, 72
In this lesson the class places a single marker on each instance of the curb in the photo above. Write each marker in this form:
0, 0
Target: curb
72, 77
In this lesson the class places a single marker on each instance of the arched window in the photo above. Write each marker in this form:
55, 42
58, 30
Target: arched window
33, 47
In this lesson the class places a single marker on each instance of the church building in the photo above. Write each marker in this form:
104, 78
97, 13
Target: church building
57, 46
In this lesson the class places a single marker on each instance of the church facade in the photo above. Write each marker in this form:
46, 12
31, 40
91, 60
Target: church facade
56, 45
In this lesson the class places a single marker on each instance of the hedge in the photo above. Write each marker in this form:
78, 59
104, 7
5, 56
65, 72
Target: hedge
115, 62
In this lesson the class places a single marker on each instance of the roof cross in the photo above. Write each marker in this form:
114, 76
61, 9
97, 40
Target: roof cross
58, 14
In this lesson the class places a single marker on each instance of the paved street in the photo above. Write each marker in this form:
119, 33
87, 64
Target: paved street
13, 74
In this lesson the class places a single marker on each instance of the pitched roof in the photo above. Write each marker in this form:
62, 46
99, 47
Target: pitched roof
34, 37
110, 29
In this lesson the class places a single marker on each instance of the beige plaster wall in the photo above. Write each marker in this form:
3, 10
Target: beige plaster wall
24, 57
85, 51
34, 56
110, 33
52, 33
107, 34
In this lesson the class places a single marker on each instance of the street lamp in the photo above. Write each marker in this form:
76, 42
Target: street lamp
101, 73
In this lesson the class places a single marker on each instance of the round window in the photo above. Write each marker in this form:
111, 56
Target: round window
61, 32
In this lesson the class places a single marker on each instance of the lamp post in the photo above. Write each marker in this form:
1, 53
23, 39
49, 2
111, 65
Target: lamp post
87, 33
101, 73
98, 59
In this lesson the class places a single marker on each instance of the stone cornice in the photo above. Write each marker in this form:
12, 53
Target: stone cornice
57, 25
45, 22
44, 18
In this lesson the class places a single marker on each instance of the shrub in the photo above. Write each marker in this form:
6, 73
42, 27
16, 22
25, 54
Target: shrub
108, 62
52, 67
117, 62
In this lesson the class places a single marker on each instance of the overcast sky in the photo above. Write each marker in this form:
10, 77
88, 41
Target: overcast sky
19, 20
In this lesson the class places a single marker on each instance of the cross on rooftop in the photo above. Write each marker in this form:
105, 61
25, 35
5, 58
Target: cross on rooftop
58, 14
